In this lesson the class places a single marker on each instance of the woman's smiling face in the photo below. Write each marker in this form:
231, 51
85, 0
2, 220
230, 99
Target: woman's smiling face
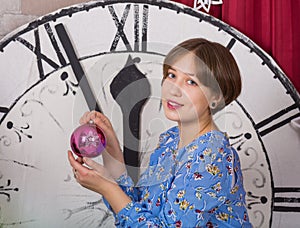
184, 98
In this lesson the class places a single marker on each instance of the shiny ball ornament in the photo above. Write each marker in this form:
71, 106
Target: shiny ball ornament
88, 140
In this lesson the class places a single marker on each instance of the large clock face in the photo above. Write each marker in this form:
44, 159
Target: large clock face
120, 47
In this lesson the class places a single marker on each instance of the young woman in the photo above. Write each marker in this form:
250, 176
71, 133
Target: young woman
194, 177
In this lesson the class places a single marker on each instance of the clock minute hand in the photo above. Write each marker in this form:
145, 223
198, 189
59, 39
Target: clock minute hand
131, 90
77, 68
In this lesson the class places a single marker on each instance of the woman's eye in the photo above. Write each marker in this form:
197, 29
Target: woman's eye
171, 75
191, 82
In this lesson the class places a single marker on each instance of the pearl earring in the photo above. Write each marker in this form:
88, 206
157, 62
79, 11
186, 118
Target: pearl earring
213, 105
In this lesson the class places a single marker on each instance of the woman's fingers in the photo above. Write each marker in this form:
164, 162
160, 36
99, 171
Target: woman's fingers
80, 160
100, 169
91, 163
101, 124
98, 118
81, 172
94, 165
77, 166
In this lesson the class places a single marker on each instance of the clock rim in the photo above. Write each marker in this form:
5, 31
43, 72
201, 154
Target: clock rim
179, 8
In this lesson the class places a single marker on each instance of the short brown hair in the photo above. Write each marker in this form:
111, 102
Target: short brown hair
217, 68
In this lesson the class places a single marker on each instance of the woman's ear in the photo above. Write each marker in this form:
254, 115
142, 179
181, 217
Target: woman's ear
216, 101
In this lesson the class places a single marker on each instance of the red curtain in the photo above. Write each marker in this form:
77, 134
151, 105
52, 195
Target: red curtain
274, 25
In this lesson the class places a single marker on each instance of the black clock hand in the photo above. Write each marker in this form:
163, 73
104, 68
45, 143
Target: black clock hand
131, 90
77, 68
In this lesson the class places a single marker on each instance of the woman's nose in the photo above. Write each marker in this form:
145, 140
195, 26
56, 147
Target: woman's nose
175, 89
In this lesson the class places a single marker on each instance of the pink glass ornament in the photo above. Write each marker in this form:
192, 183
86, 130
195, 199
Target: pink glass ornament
88, 141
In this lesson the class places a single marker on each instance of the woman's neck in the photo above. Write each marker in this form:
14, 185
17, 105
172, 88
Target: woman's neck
189, 132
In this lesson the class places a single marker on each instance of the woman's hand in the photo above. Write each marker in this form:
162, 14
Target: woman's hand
104, 123
112, 155
95, 177
90, 174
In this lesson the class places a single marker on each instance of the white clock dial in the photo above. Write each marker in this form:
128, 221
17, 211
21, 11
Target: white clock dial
120, 46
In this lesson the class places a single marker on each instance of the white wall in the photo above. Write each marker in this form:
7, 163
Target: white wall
14, 13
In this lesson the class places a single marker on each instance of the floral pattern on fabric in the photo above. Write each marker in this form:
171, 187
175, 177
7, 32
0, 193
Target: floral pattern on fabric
190, 187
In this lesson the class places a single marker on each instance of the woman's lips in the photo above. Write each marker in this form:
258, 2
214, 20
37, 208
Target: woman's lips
173, 105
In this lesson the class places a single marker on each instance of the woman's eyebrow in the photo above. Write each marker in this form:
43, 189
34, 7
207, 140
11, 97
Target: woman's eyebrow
172, 68
189, 74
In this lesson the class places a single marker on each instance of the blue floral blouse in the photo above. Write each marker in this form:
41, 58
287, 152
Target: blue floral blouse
200, 185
